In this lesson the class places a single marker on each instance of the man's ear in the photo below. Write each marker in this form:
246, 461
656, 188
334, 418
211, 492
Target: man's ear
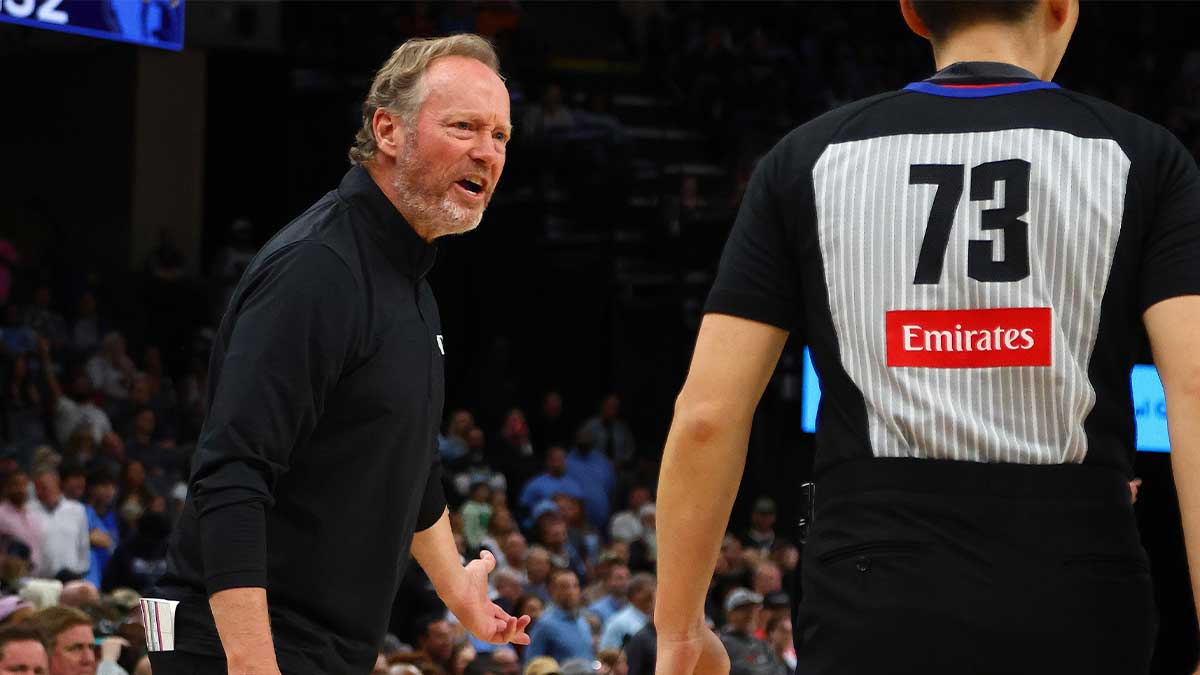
389, 132
1060, 12
915, 24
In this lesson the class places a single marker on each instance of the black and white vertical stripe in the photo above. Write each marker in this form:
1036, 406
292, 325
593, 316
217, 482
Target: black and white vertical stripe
871, 223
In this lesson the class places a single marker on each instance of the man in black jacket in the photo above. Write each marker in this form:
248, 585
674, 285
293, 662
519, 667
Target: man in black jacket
316, 472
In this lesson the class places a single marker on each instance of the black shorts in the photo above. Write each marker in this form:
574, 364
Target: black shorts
931, 567
185, 663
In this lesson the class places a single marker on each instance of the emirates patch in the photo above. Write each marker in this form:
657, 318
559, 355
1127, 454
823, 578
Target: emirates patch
969, 338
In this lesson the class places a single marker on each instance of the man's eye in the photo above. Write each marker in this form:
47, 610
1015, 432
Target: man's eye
501, 136
462, 125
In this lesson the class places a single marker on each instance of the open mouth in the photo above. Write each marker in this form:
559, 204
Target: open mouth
470, 186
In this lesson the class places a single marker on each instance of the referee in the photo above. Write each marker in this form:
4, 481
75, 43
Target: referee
317, 463
970, 258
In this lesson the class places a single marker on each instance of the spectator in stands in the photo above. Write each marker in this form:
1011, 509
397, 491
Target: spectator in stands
550, 483
462, 655
17, 520
626, 525
104, 531
634, 616
779, 637
23, 410
641, 651
537, 570
595, 474
509, 586
452, 446
747, 654
761, 534
141, 558
80, 594
579, 531
69, 639
611, 435
767, 578
562, 632
476, 515
73, 479
514, 455
75, 408
643, 551
616, 587
551, 427
776, 605
501, 530
552, 532
787, 556
161, 388
88, 328
63, 526
147, 446
135, 496
22, 651
505, 659
529, 605
111, 370
14, 611
435, 642
542, 665
44, 320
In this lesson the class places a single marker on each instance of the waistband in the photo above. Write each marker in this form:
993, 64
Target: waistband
975, 479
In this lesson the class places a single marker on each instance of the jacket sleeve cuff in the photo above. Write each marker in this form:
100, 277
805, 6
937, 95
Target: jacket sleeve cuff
233, 543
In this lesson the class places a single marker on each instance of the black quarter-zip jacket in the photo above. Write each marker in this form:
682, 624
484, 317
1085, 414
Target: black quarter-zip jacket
317, 460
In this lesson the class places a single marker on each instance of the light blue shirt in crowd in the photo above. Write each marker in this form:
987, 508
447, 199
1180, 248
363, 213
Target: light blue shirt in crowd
623, 625
561, 636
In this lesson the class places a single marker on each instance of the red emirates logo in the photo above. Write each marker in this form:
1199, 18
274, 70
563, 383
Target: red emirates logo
968, 338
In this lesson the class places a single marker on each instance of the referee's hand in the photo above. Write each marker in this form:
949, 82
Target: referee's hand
702, 654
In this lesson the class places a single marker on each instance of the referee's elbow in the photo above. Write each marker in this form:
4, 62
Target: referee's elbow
700, 420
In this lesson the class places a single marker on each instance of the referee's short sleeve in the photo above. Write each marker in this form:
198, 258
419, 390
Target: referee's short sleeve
1170, 263
757, 278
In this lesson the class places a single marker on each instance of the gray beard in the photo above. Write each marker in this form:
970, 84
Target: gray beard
430, 211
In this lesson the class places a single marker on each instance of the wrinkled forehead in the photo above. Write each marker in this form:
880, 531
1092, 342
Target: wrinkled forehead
466, 85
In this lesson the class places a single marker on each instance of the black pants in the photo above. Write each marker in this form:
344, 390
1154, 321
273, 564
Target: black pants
183, 663
923, 567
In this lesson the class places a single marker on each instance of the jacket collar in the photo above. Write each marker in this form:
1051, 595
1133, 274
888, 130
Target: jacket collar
389, 230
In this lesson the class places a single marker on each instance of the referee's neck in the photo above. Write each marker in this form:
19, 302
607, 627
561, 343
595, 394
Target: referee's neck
1016, 45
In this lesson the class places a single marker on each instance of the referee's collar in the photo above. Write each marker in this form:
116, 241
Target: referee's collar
391, 232
978, 79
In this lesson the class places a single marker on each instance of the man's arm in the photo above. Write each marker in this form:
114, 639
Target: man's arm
702, 467
297, 325
465, 589
1173, 325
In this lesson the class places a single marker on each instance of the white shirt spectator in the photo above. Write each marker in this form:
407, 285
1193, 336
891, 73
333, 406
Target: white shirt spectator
107, 378
65, 544
68, 415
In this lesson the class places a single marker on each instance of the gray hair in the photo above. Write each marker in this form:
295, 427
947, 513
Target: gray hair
399, 85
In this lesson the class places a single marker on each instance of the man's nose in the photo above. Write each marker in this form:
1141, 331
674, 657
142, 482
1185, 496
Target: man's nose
484, 150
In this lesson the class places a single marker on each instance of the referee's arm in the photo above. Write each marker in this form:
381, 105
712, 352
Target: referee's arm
702, 467
753, 303
1173, 326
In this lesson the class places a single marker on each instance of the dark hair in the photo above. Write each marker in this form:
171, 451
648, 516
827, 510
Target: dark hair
19, 633
426, 622
943, 17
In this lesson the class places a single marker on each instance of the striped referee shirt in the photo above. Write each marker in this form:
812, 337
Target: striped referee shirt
969, 259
